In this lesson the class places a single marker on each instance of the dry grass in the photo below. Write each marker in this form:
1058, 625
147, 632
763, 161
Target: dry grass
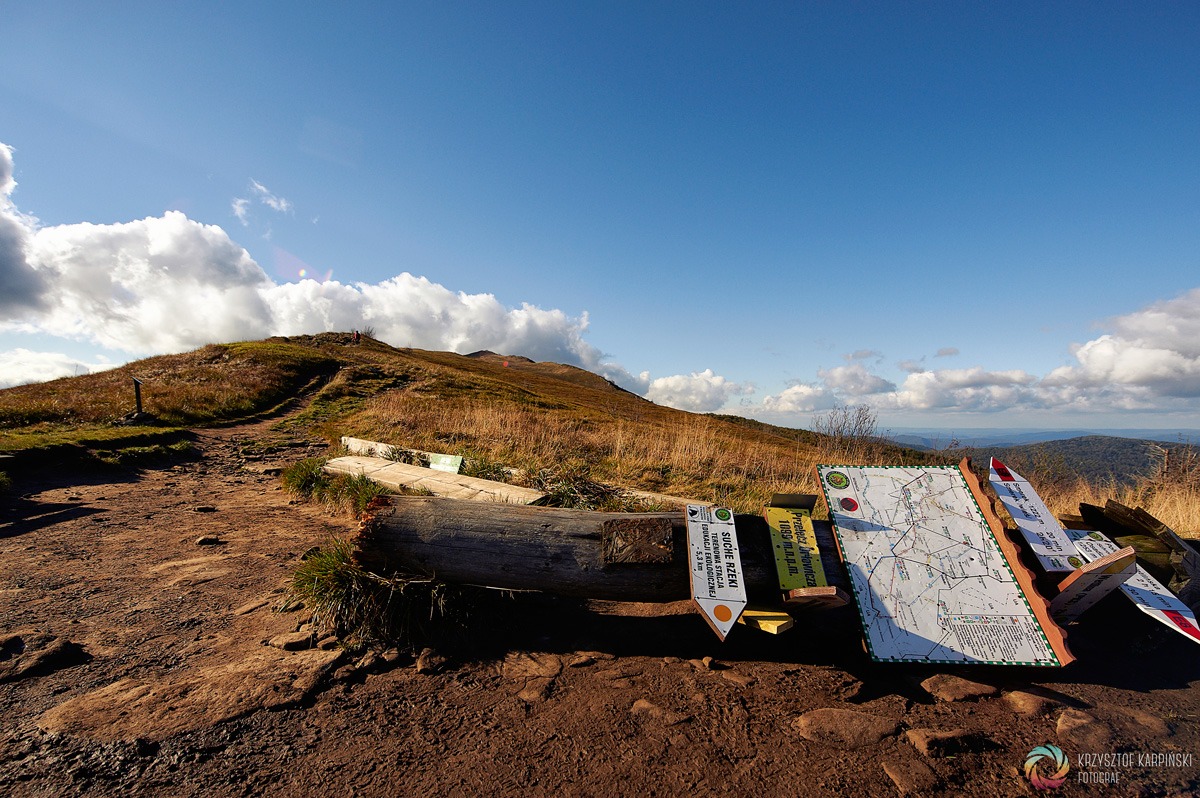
701, 457
1171, 493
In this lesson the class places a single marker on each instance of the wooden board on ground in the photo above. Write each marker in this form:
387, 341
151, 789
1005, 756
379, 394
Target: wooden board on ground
399, 476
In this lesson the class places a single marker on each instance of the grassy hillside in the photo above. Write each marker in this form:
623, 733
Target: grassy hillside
501, 410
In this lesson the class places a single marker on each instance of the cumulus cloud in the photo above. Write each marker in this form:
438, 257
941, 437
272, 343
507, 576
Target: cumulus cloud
21, 288
801, 397
698, 392
1152, 352
854, 380
23, 366
973, 389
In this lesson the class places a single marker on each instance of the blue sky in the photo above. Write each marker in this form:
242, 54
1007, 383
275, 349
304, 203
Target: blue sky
964, 215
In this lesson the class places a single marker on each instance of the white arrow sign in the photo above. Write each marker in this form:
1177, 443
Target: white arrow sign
1143, 589
718, 588
1038, 525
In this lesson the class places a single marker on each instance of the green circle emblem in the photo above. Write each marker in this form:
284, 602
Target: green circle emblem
837, 479
723, 514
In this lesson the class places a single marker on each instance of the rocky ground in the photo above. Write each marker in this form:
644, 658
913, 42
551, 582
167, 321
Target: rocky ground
141, 652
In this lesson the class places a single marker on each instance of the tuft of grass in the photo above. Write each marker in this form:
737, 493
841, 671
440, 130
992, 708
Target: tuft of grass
339, 492
572, 486
5, 483
364, 609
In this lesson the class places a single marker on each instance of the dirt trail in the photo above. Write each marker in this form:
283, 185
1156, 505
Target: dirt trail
134, 660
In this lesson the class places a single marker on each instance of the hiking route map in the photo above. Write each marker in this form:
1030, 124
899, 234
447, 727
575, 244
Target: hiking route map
930, 580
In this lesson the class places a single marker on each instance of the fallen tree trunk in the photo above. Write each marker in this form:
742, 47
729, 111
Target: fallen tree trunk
557, 551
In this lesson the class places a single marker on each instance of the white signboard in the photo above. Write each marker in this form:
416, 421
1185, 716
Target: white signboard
449, 463
1150, 596
718, 588
1041, 530
930, 580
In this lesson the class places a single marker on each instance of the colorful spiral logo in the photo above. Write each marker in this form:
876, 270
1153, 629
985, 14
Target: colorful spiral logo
838, 480
1046, 758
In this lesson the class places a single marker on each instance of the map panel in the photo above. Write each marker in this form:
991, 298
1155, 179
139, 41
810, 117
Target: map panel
930, 580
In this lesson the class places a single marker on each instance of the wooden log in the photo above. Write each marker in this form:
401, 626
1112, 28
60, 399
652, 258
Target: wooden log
519, 547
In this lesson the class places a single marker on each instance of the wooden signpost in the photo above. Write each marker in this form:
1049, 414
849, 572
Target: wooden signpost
718, 587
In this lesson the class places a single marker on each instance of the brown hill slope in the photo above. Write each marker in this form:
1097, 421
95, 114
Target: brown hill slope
525, 415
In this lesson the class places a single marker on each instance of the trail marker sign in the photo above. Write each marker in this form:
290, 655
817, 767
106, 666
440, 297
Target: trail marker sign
1041, 530
718, 588
1146, 592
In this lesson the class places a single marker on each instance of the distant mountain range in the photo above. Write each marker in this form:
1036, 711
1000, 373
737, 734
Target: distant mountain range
1096, 458
982, 438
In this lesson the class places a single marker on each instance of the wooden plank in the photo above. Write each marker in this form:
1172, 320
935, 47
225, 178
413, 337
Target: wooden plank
402, 475
766, 620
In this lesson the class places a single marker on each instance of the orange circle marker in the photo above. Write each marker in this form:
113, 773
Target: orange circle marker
722, 613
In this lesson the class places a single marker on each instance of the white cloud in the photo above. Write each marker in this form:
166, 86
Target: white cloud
272, 201
21, 288
22, 366
241, 209
973, 389
854, 380
698, 392
947, 351
800, 398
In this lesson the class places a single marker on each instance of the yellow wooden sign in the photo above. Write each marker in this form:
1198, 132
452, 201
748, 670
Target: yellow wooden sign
797, 557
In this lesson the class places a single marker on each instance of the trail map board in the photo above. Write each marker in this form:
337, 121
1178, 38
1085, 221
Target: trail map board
930, 580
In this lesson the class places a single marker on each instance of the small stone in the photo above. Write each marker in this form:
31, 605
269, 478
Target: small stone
250, 607
209, 540
292, 641
740, 679
947, 687
430, 661
671, 660
669, 718
910, 775
345, 672
581, 661
392, 656
709, 663
522, 664
936, 743
847, 728
1083, 730
328, 643
1031, 704
536, 690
